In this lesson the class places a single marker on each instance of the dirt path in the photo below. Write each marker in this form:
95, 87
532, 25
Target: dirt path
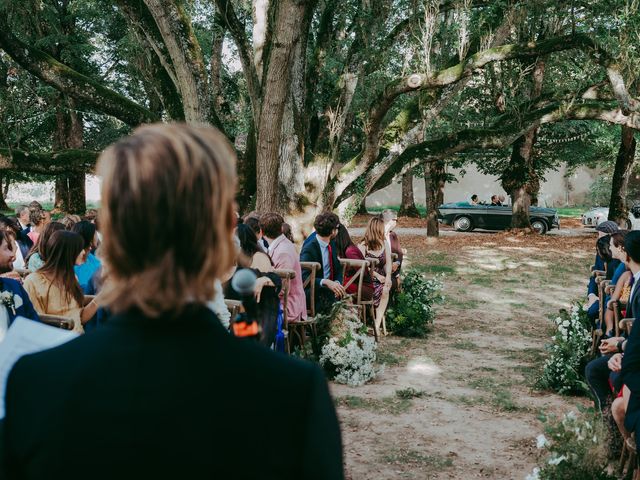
472, 412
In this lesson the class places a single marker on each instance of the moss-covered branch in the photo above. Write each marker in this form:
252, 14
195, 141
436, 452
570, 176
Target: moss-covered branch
53, 163
71, 82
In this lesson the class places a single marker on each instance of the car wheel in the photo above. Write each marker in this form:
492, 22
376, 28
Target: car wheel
539, 226
463, 224
628, 224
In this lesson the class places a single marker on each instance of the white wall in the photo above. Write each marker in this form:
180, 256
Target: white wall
45, 191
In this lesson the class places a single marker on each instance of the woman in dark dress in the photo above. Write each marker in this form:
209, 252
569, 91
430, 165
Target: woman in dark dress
376, 247
347, 249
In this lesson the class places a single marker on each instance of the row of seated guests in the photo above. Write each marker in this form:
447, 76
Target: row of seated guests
614, 376
267, 241
62, 265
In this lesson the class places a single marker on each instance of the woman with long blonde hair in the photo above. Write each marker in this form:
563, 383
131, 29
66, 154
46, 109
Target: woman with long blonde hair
375, 246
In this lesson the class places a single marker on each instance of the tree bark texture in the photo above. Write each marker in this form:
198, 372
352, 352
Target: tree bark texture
408, 205
434, 182
521, 171
618, 211
286, 34
186, 57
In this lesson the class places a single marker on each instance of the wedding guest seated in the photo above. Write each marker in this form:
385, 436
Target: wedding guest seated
54, 289
495, 201
21, 242
258, 259
376, 247
285, 257
252, 219
287, 232
22, 214
37, 219
610, 265
14, 300
620, 280
347, 249
38, 253
474, 199
70, 220
322, 249
89, 264
390, 219
605, 228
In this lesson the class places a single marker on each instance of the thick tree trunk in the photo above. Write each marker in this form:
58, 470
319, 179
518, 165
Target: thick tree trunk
70, 194
362, 210
618, 211
521, 171
408, 206
61, 201
434, 181
276, 88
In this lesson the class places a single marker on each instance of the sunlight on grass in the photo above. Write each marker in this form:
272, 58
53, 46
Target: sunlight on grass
423, 366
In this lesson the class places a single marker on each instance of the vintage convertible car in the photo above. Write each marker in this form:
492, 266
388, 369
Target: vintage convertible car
597, 215
465, 217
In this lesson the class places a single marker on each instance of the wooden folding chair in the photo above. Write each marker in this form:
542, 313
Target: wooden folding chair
368, 306
57, 321
597, 331
298, 329
286, 276
354, 269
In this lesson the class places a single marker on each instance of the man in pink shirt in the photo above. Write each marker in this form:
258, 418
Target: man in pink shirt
284, 256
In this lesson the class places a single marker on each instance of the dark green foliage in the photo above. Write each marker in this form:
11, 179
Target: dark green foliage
413, 312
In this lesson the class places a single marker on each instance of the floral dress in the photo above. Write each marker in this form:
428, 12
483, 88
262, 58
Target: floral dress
379, 269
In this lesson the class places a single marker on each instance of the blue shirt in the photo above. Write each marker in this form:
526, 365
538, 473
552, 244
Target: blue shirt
86, 271
326, 260
618, 273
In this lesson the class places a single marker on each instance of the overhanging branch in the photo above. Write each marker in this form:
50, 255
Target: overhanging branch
54, 163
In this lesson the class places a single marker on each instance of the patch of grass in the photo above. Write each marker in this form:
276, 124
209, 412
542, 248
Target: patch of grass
410, 393
520, 306
530, 355
486, 369
503, 401
434, 269
465, 345
389, 358
401, 456
456, 302
391, 405
571, 211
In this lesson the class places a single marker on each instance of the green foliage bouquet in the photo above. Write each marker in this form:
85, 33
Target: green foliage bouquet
413, 312
563, 369
574, 448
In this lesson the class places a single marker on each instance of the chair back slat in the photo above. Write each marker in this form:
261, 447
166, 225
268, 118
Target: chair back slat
310, 282
348, 265
57, 321
286, 276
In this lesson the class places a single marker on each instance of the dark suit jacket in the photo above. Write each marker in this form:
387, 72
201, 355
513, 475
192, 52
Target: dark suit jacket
311, 253
22, 307
167, 399
630, 374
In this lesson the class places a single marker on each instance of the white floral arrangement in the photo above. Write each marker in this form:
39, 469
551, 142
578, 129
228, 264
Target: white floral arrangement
11, 301
564, 368
350, 354
573, 447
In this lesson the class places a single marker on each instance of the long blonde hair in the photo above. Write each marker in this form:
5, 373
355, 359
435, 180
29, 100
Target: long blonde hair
167, 217
374, 235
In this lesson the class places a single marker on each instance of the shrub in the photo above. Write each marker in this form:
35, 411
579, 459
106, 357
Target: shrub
349, 354
413, 312
574, 448
564, 368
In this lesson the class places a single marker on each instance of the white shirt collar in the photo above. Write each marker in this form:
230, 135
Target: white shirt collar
322, 243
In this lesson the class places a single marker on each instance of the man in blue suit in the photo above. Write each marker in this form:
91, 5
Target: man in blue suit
12, 295
322, 249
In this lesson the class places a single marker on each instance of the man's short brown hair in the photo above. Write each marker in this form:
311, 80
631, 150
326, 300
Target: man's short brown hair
326, 223
167, 217
271, 224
